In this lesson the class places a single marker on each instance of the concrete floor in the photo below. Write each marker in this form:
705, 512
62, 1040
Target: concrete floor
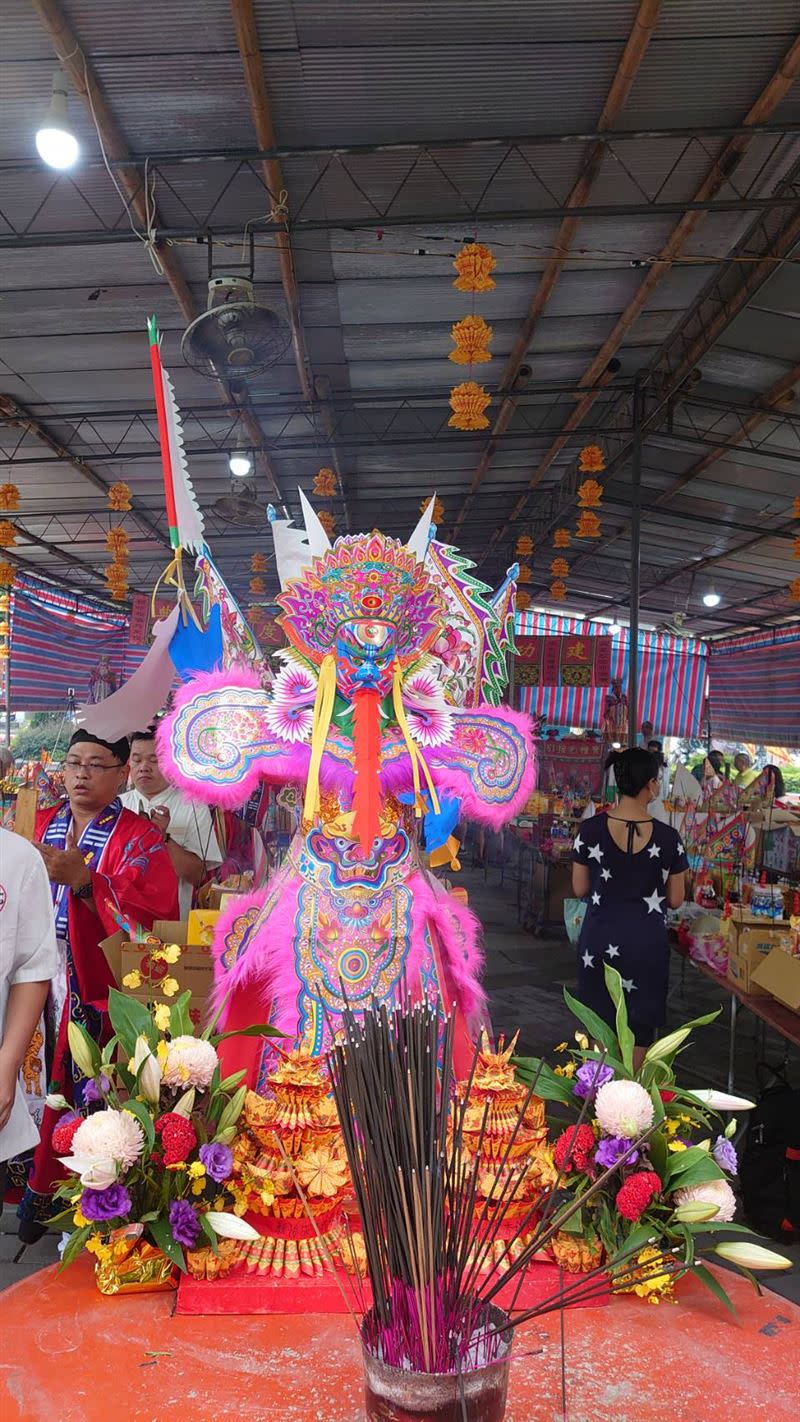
525, 979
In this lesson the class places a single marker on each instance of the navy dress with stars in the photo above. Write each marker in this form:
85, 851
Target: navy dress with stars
625, 922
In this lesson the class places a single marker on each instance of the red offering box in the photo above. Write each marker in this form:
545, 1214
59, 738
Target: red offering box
245, 1293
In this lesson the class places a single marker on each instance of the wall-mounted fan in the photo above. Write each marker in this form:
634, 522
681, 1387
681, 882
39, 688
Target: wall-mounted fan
236, 336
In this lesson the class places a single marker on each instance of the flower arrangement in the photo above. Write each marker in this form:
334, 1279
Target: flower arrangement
149, 1160
669, 1164
119, 497
474, 264
471, 337
468, 401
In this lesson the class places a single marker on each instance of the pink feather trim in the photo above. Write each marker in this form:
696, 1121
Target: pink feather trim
265, 969
457, 934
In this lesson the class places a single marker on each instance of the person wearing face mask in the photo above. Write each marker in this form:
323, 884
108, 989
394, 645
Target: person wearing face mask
104, 863
631, 868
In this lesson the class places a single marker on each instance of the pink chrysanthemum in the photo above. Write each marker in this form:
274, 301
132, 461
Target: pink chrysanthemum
110, 1135
711, 1192
623, 1108
190, 1062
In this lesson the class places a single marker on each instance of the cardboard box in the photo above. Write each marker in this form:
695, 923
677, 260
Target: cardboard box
779, 975
193, 971
750, 940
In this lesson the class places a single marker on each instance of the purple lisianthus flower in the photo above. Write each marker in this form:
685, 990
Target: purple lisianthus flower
93, 1091
610, 1151
725, 1155
109, 1204
590, 1077
184, 1223
218, 1161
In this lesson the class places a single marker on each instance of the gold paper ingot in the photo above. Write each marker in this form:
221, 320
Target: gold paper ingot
574, 1254
135, 1266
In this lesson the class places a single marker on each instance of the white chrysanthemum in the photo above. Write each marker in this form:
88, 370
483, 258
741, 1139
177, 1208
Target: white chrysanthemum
190, 1062
711, 1192
623, 1108
110, 1135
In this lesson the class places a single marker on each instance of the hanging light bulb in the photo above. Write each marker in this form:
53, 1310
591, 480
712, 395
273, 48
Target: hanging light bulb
240, 463
56, 143
711, 598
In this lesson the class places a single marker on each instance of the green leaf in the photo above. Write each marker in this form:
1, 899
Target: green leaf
659, 1156
210, 1233
261, 1029
624, 1034
108, 1050
683, 1167
162, 1235
232, 1111
75, 1244
706, 1277
143, 1116
130, 1019
549, 1087
598, 1030
180, 1022
574, 1225
208, 1030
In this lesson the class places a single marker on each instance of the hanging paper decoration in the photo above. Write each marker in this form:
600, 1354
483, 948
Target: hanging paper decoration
474, 264
523, 600
524, 546
324, 485
437, 513
7, 574
468, 402
794, 590
590, 494
559, 568
328, 522
525, 574
558, 590
258, 563
117, 544
119, 498
471, 337
9, 498
8, 534
257, 587
588, 525
562, 538
592, 460
797, 548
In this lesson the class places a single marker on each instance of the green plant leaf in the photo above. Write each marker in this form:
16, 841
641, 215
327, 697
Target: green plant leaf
548, 1086
75, 1244
624, 1034
598, 1030
143, 1116
130, 1019
180, 1022
162, 1236
210, 1233
706, 1277
108, 1050
659, 1156
232, 1111
574, 1225
261, 1029
683, 1162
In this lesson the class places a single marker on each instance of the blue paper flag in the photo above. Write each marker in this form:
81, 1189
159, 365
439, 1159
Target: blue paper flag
193, 651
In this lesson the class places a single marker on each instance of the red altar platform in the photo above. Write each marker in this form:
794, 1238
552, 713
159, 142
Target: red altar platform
71, 1354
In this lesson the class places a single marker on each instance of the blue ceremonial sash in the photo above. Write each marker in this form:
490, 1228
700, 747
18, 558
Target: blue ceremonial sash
91, 844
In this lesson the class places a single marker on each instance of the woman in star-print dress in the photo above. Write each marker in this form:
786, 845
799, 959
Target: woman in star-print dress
630, 868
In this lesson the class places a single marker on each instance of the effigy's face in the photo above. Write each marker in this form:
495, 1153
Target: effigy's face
365, 654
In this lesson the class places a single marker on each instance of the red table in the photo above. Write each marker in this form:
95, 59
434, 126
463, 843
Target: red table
71, 1355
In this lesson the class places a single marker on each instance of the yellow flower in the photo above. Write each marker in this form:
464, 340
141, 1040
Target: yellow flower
672, 1125
568, 1070
162, 1048
162, 1016
219, 1203
198, 1187
169, 954
582, 1040
267, 1193
169, 987
562, 1047
676, 1145
79, 1218
197, 1170
132, 980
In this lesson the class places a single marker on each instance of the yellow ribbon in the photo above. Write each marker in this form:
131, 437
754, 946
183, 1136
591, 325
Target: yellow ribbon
320, 725
417, 758
172, 577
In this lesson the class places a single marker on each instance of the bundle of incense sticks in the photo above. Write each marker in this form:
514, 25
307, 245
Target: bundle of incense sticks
427, 1237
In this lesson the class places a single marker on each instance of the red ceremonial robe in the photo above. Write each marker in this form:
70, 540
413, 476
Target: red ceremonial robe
133, 875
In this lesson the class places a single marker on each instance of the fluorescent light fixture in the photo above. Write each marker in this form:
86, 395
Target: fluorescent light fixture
711, 598
56, 143
240, 463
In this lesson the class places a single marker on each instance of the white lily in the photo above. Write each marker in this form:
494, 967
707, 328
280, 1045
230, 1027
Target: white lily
79, 1049
667, 1044
751, 1256
229, 1226
184, 1106
148, 1068
96, 1173
695, 1212
56, 1101
721, 1101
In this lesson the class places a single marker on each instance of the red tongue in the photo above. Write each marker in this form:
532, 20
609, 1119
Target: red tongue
367, 752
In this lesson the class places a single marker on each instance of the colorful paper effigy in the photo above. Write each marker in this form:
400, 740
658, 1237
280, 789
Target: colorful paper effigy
385, 712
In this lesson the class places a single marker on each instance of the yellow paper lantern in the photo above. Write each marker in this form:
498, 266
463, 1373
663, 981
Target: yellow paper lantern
590, 494
592, 460
119, 497
328, 522
8, 534
559, 568
258, 563
558, 590
562, 538
588, 525
472, 337
9, 498
524, 546
474, 264
324, 485
468, 402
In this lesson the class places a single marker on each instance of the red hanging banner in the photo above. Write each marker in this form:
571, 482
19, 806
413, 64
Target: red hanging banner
574, 660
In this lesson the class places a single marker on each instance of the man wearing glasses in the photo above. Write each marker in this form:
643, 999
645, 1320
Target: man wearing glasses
105, 864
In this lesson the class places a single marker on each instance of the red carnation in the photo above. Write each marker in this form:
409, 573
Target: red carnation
63, 1133
667, 1096
573, 1149
635, 1195
178, 1138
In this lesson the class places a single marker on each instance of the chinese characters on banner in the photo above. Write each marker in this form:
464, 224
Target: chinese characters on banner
563, 661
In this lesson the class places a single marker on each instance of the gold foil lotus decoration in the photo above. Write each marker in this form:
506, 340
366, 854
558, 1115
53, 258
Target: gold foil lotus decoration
258, 563
590, 494
474, 264
558, 590
559, 568
468, 401
438, 510
8, 534
588, 525
7, 573
324, 486
257, 587
524, 546
117, 543
119, 497
9, 498
562, 538
794, 590
328, 522
525, 574
591, 460
523, 600
471, 338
